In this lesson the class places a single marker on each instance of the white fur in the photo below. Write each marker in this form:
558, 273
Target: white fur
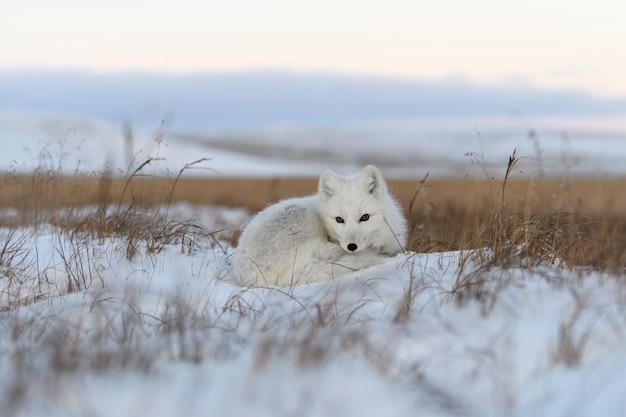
299, 240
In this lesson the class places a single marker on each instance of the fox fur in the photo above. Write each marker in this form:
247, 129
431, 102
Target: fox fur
352, 222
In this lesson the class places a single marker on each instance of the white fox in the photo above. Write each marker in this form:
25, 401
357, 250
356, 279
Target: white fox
350, 224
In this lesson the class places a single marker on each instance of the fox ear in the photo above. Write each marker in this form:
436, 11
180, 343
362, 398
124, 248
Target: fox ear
329, 185
372, 180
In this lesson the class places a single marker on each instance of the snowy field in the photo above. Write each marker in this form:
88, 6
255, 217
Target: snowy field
87, 330
146, 322
409, 149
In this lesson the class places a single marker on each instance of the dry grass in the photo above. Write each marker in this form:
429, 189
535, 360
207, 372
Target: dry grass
515, 222
578, 221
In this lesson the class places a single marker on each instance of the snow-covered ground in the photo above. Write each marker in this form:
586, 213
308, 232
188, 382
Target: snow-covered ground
84, 330
407, 149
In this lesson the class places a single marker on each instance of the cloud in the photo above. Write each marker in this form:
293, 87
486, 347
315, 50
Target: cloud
246, 100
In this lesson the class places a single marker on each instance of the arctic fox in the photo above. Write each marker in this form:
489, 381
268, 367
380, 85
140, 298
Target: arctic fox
351, 223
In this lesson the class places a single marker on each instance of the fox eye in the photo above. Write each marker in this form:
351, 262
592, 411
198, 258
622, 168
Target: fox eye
339, 219
364, 218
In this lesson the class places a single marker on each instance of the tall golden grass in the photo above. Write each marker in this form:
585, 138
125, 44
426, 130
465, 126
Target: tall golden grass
578, 220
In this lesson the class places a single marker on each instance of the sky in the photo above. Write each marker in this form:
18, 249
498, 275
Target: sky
576, 45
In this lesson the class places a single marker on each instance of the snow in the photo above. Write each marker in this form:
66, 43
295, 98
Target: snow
165, 333
87, 330
402, 149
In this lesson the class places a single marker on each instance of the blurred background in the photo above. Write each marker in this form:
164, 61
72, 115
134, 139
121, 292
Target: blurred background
285, 88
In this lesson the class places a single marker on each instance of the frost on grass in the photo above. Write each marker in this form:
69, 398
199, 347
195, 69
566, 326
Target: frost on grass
91, 328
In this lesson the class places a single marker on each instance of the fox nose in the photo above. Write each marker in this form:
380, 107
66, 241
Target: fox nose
352, 247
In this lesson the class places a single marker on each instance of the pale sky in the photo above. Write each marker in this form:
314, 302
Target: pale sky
546, 43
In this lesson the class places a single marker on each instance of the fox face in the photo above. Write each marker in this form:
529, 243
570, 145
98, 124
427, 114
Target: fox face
352, 209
